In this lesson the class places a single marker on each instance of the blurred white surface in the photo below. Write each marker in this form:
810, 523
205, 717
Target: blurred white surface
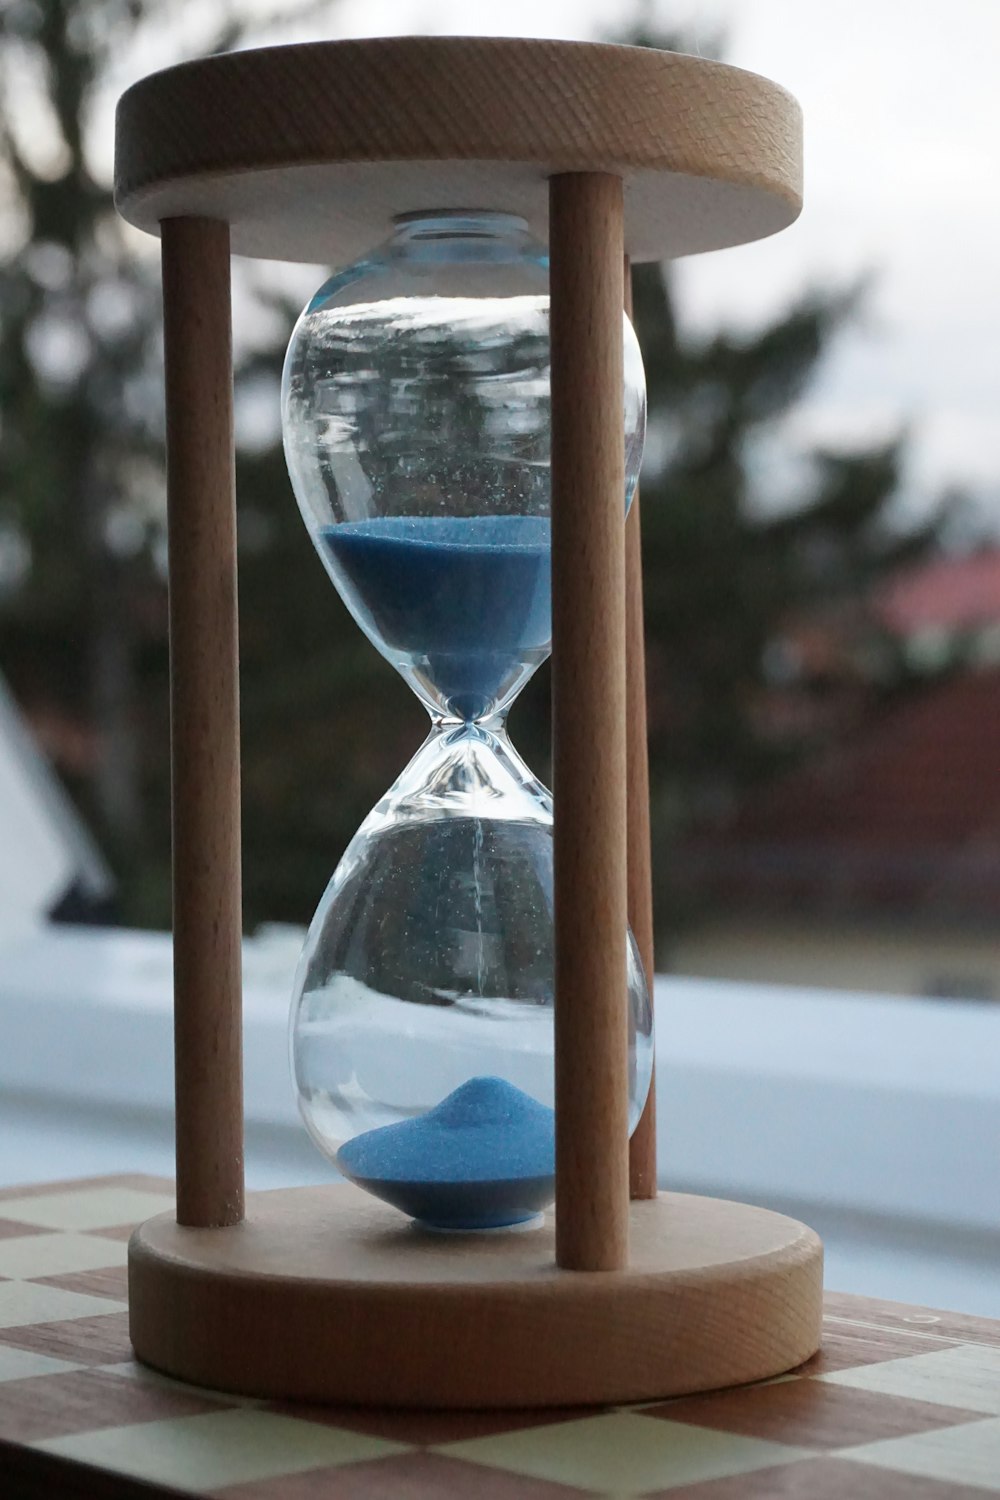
45, 850
874, 1119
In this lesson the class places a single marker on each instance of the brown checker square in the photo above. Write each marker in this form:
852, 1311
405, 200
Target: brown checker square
429, 1427
408, 1476
11, 1229
820, 1479
100, 1340
801, 1414
112, 1282
845, 1348
47, 1406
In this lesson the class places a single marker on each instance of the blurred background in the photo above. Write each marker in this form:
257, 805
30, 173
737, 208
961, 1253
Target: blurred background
820, 501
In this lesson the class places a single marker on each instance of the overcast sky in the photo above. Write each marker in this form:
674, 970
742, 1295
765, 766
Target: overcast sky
902, 114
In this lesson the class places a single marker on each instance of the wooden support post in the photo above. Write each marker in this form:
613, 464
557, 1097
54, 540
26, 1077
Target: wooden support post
588, 721
204, 722
642, 1146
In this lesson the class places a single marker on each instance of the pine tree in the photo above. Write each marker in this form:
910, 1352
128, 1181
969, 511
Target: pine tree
327, 725
82, 577
78, 323
726, 577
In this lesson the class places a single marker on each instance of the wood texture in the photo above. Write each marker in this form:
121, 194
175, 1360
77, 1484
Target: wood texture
327, 1294
308, 151
204, 722
642, 1146
588, 722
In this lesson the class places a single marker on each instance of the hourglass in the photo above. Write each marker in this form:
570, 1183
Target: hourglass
417, 431
472, 1033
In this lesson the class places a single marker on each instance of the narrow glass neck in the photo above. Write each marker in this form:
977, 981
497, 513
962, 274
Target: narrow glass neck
464, 770
489, 727
472, 688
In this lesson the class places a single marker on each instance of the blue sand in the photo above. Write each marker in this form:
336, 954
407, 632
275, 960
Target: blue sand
482, 1159
469, 596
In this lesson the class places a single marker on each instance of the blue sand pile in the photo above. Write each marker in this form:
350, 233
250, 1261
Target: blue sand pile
468, 598
482, 1159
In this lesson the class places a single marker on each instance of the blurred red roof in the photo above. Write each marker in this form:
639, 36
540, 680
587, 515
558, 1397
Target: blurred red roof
904, 816
952, 593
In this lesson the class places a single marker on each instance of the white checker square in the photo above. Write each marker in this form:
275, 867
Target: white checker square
218, 1448
19, 1364
26, 1302
968, 1454
967, 1377
87, 1208
31, 1255
623, 1453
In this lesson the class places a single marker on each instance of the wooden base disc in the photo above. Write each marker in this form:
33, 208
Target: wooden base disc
325, 1294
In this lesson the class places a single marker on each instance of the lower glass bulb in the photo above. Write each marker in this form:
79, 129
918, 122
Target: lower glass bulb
422, 1023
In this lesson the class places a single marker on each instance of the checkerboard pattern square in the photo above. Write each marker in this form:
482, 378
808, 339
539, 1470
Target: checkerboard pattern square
901, 1404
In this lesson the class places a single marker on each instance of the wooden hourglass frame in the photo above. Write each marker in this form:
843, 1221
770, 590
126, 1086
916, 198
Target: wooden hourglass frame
306, 153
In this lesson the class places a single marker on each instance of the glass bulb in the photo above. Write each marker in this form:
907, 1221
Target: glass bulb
417, 433
416, 423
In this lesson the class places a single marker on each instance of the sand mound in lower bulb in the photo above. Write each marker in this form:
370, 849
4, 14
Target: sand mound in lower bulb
484, 1158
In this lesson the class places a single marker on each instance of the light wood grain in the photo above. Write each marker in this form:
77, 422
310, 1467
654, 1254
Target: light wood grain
588, 722
204, 722
327, 1294
642, 1146
308, 151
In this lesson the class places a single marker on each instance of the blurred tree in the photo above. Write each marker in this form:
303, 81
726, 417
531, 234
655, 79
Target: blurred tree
326, 725
77, 334
734, 584
740, 591
82, 567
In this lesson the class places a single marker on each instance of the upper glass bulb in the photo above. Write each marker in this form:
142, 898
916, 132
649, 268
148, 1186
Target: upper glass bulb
416, 420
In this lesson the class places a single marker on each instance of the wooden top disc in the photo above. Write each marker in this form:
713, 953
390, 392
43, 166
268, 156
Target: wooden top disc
309, 151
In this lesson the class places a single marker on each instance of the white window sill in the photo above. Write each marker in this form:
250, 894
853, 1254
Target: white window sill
875, 1119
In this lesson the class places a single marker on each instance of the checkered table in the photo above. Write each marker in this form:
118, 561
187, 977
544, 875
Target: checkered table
901, 1404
